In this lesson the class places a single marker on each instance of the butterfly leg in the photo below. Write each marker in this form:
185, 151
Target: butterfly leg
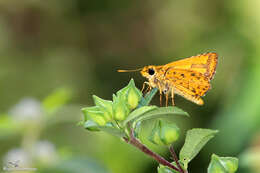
145, 83
161, 100
143, 87
147, 89
172, 96
166, 96
160, 90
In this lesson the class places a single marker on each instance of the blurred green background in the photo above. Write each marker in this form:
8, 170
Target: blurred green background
55, 54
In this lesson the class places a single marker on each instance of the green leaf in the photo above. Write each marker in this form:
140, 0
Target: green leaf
8, 125
113, 131
222, 164
160, 112
195, 140
56, 100
109, 128
91, 125
137, 129
138, 112
165, 169
147, 98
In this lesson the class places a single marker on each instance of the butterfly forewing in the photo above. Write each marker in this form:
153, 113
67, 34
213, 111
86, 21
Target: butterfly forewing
204, 64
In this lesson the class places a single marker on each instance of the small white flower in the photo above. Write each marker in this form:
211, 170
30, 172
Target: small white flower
45, 152
27, 109
17, 158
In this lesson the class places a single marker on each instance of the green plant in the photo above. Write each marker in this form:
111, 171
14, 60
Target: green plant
124, 115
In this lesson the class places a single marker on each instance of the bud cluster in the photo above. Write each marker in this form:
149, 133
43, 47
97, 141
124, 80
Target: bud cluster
106, 111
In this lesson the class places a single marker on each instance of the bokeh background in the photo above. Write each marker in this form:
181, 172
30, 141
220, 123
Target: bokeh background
55, 54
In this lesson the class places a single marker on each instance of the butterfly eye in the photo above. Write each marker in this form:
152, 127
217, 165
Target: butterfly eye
151, 71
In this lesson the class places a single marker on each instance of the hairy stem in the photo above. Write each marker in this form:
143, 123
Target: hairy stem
135, 142
176, 160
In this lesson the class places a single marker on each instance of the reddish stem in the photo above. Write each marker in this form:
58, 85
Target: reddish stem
135, 142
176, 160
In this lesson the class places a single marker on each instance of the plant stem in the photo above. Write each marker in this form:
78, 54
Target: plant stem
176, 160
135, 142
147, 98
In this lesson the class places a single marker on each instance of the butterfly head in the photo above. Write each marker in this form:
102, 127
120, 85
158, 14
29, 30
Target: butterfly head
148, 71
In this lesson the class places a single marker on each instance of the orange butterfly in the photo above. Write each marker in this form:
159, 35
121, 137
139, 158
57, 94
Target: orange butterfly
189, 77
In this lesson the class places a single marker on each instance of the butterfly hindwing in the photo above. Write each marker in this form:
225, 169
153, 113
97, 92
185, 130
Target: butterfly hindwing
190, 84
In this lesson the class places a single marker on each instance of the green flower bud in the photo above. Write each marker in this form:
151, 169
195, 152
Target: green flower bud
130, 94
107, 116
105, 106
120, 110
164, 133
169, 133
94, 114
222, 164
122, 93
231, 164
133, 97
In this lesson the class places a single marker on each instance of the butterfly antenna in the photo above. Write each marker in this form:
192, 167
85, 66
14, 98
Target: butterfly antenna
129, 70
